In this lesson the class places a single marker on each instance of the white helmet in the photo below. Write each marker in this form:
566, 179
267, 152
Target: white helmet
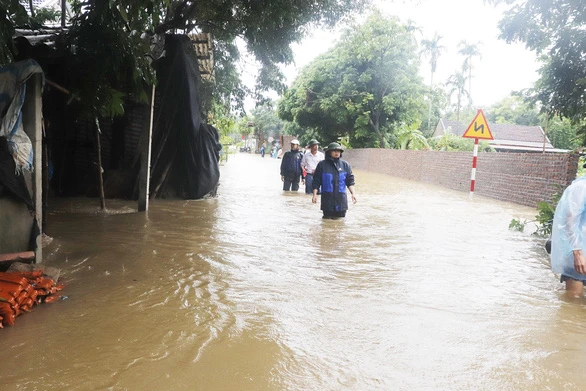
295, 141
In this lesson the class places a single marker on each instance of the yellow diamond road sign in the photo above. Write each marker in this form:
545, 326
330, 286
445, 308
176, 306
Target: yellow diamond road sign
478, 128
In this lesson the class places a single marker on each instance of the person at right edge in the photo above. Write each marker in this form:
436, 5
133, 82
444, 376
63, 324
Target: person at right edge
333, 175
568, 237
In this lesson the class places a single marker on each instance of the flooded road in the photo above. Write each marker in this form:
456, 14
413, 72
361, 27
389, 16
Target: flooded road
418, 288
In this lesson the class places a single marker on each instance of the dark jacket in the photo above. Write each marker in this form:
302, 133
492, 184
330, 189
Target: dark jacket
291, 164
333, 175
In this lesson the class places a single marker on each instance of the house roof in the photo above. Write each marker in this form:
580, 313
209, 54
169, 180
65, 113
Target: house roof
506, 136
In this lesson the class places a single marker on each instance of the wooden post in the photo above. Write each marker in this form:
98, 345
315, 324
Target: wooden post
544, 133
99, 163
32, 117
63, 12
145, 164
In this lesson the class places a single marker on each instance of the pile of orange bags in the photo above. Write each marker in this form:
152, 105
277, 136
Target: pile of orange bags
20, 291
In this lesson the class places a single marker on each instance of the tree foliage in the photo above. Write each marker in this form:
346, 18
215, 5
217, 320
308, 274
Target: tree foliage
119, 33
513, 109
469, 50
457, 86
266, 121
556, 31
410, 137
101, 27
12, 14
431, 48
562, 132
365, 88
451, 142
517, 109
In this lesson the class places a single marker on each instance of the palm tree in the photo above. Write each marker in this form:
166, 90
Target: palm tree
457, 85
432, 48
469, 50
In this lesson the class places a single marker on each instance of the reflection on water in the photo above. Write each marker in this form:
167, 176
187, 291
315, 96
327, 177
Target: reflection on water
419, 288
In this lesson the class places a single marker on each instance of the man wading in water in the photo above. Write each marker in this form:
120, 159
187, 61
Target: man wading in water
291, 167
309, 163
334, 175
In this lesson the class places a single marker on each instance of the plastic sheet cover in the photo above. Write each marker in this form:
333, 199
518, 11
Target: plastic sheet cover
13, 79
186, 151
569, 229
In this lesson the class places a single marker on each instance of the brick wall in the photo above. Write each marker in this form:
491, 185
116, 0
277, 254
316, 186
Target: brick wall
523, 178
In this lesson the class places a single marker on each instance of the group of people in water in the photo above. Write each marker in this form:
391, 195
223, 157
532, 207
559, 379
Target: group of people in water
322, 173
327, 174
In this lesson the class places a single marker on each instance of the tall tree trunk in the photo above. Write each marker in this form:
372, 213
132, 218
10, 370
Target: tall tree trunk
430, 97
470, 80
30, 5
63, 12
377, 127
99, 158
458, 110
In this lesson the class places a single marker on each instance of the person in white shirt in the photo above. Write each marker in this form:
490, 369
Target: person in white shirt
309, 163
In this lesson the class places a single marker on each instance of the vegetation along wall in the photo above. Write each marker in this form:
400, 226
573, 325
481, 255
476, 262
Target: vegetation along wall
523, 178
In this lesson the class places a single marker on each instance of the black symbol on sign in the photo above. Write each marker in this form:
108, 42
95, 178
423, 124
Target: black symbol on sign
481, 128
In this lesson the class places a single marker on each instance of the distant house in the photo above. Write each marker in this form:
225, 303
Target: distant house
507, 137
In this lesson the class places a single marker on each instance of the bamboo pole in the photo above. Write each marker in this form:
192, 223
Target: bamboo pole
145, 165
100, 171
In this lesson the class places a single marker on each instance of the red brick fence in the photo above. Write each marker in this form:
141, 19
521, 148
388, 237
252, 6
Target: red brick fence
523, 178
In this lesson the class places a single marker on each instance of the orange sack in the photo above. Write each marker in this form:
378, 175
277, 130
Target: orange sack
12, 277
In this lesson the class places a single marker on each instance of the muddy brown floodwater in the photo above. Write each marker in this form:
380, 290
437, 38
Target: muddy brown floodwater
419, 288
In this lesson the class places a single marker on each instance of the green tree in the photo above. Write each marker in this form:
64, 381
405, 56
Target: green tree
556, 31
266, 122
432, 48
410, 137
469, 50
12, 14
457, 86
451, 142
266, 28
561, 132
364, 88
513, 109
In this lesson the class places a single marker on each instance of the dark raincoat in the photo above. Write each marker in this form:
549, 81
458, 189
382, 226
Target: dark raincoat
291, 164
334, 176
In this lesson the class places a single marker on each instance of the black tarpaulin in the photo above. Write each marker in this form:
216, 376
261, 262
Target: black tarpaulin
185, 155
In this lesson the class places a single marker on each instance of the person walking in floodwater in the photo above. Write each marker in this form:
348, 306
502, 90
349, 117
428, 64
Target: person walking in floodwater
568, 237
309, 163
333, 175
291, 167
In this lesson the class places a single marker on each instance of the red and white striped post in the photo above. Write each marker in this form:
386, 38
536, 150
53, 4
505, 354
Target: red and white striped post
473, 173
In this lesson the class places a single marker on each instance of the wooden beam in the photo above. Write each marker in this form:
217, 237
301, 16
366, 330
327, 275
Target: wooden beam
32, 124
145, 164
21, 256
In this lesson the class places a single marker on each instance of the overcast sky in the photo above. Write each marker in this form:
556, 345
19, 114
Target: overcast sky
501, 69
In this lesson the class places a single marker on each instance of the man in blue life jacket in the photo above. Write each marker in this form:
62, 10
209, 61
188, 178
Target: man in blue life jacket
334, 175
291, 167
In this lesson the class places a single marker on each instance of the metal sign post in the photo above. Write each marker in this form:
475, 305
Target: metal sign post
478, 129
